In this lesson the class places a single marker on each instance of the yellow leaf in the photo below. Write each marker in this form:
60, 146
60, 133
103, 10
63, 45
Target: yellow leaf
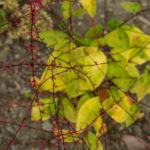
89, 6
35, 115
90, 50
96, 68
88, 112
98, 123
46, 81
117, 113
102, 130
117, 105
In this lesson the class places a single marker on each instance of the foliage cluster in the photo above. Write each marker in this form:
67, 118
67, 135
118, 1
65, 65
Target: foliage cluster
78, 68
91, 76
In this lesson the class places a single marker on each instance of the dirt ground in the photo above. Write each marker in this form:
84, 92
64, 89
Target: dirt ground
15, 82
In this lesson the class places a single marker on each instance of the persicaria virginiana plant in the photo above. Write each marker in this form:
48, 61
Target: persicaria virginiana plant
90, 76
20, 25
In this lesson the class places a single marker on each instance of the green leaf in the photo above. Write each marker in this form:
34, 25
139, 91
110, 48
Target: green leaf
88, 112
66, 7
93, 142
132, 7
124, 76
138, 51
119, 97
44, 110
2, 14
3, 20
96, 42
117, 39
140, 55
76, 88
134, 55
3, 25
135, 112
123, 39
114, 23
147, 68
82, 100
79, 12
79, 39
93, 32
89, 6
69, 110
143, 85
53, 37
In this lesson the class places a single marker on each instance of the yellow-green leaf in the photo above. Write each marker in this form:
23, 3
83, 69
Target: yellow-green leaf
138, 51
102, 130
88, 112
93, 32
84, 73
117, 113
46, 81
141, 55
87, 77
96, 67
132, 7
89, 6
135, 112
98, 123
69, 110
143, 85
120, 107
66, 8
114, 23
93, 142
66, 135
53, 37
123, 75
78, 12
44, 110
82, 100
117, 39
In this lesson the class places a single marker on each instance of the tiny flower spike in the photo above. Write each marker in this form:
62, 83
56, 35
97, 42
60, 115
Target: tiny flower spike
35, 82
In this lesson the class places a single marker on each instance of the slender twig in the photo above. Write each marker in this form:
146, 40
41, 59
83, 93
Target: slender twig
105, 16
